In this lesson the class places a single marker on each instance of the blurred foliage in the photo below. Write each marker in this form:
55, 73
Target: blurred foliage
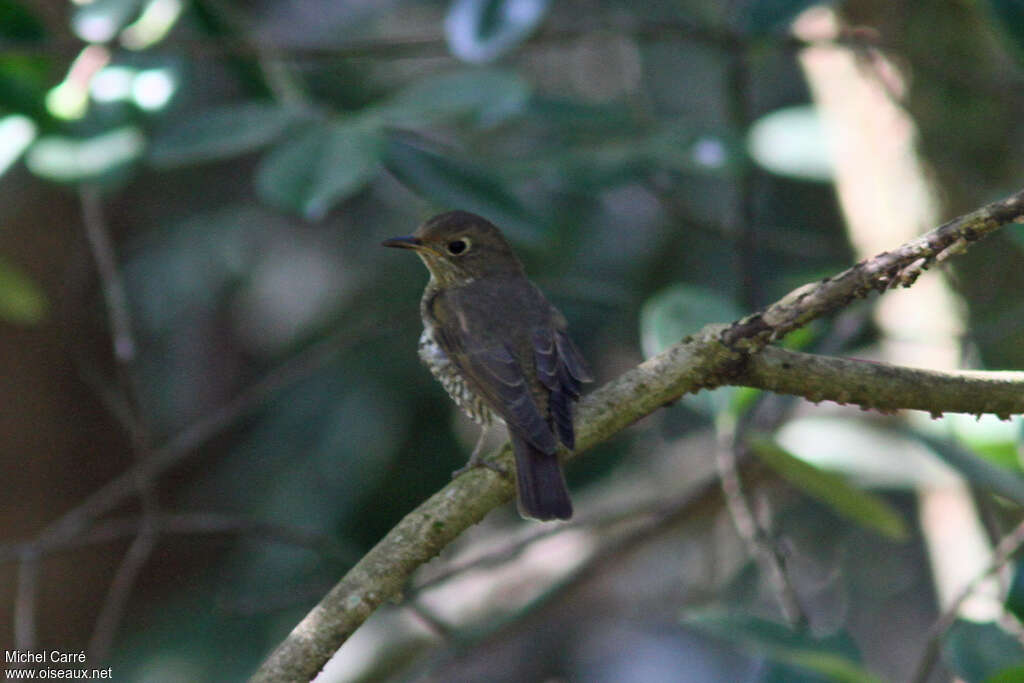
857, 505
834, 658
983, 652
21, 300
659, 166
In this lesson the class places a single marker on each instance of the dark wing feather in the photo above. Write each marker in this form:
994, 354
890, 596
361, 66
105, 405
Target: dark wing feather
562, 371
572, 359
494, 373
545, 357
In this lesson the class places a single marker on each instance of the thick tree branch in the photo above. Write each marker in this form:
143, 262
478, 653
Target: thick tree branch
715, 356
882, 386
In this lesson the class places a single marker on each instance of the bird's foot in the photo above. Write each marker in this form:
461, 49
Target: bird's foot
476, 461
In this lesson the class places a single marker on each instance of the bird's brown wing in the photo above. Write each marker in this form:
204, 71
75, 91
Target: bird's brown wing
562, 370
493, 373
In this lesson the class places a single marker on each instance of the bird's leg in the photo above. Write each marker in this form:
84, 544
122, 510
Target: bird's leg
476, 459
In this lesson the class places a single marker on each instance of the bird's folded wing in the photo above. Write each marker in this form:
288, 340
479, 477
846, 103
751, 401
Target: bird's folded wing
562, 370
494, 373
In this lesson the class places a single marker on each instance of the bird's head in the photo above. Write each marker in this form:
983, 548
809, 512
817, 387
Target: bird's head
459, 247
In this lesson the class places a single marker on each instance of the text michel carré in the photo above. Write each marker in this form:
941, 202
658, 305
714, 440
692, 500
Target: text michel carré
53, 657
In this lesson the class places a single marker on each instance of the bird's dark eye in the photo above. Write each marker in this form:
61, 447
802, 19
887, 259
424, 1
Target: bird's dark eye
456, 247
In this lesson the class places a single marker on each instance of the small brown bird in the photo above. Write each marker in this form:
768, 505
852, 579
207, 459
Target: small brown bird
500, 350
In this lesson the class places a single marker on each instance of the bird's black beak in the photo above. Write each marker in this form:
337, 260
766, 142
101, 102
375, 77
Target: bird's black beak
407, 242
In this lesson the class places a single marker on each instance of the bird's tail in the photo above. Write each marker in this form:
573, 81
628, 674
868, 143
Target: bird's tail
541, 486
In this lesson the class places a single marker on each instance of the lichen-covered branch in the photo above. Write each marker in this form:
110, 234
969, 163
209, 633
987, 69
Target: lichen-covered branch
900, 267
715, 356
884, 387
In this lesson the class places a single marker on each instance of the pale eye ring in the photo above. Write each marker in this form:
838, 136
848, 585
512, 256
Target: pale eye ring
457, 246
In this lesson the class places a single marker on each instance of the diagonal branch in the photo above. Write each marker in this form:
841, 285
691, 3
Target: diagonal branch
715, 356
900, 267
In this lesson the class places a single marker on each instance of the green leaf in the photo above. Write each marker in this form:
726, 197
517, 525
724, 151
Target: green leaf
1015, 594
457, 184
767, 16
1016, 233
482, 30
978, 651
325, 165
1013, 674
18, 23
222, 133
979, 471
988, 437
834, 657
856, 505
24, 81
679, 310
490, 94
21, 300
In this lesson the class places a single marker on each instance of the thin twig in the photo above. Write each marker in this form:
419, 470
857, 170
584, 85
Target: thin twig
187, 441
106, 531
701, 501
897, 268
431, 619
600, 520
113, 609
125, 350
1004, 552
760, 543
118, 316
26, 592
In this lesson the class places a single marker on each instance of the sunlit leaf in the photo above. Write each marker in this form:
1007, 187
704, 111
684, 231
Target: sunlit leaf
155, 21
792, 142
766, 16
862, 450
978, 471
16, 133
989, 437
21, 300
100, 20
222, 132
977, 651
68, 159
835, 657
490, 94
319, 168
455, 184
483, 30
831, 489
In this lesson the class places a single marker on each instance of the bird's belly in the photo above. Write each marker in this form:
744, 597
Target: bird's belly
445, 372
